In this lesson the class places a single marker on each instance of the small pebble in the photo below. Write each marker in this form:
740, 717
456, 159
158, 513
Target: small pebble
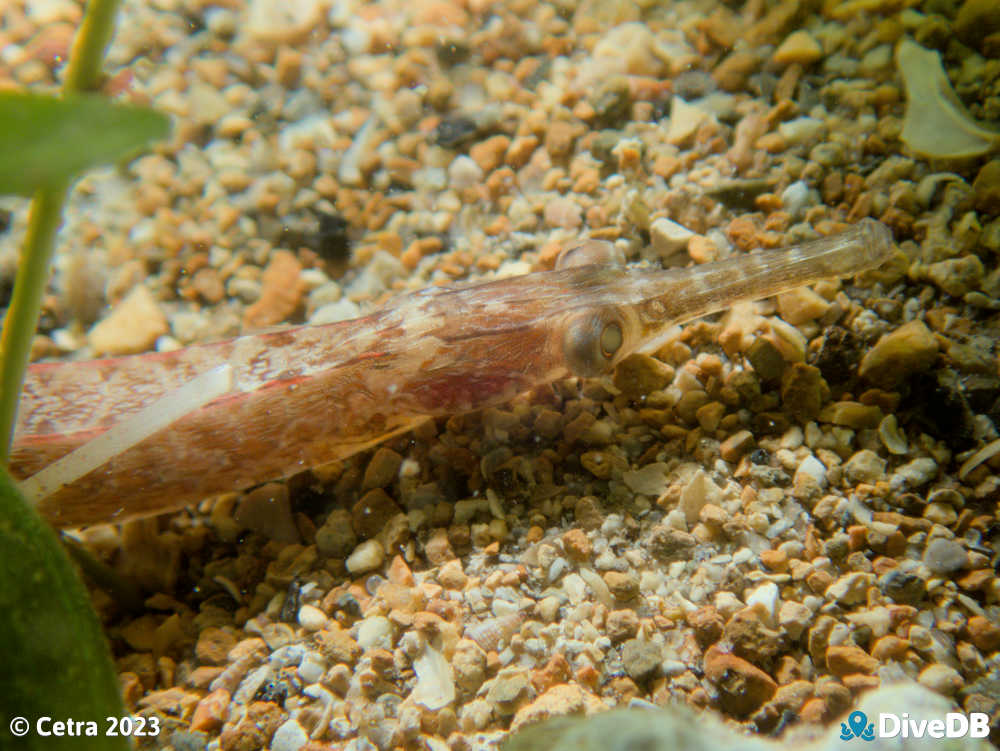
451, 575
986, 188
214, 645
381, 469
668, 237
281, 292
813, 468
893, 438
766, 597
743, 687
624, 586
312, 667
957, 276
864, 466
911, 348
290, 736
802, 305
850, 589
641, 658
798, 47
274, 21
211, 712
845, 660
941, 678
639, 375
375, 632
944, 556
629, 48
336, 538
563, 212
685, 119
312, 618
367, 556
904, 588
700, 490
851, 414
739, 443
133, 326
915, 474
800, 130
794, 618
648, 480
463, 172
984, 634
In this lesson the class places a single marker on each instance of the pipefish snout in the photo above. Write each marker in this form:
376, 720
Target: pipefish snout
108, 440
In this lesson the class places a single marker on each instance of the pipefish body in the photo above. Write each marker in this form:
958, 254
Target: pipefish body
300, 397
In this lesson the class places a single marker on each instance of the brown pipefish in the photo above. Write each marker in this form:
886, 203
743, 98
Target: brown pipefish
304, 396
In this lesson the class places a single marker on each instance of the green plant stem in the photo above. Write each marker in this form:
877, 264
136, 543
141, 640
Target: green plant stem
26, 303
87, 57
83, 73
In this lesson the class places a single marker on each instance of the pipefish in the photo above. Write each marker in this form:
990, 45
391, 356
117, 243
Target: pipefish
270, 405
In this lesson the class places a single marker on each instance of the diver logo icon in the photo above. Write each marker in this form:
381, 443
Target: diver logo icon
857, 726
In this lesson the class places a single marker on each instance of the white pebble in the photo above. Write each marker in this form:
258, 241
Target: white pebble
334, 312
794, 617
289, 737
548, 608
367, 556
892, 437
792, 438
575, 588
375, 631
814, 468
864, 466
800, 130
311, 618
727, 603
766, 597
598, 587
649, 480
685, 119
699, 491
356, 38
312, 667
878, 619
435, 687
563, 212
668, 237
850, 589
675, 519
463, 172
941, 678
914, 474
503, 607
796, 198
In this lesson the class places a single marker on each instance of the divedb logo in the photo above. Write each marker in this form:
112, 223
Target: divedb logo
953, 725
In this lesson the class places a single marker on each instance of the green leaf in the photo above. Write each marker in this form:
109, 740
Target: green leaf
54, 656
45, 140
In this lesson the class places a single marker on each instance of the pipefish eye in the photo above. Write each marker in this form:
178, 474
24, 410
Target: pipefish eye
592, 340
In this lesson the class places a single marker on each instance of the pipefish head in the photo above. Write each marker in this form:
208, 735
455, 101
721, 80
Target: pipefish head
619, 311
601, 327
596, 335
591, 341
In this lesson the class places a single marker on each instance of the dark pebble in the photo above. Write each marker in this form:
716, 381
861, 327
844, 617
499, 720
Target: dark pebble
904, 588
